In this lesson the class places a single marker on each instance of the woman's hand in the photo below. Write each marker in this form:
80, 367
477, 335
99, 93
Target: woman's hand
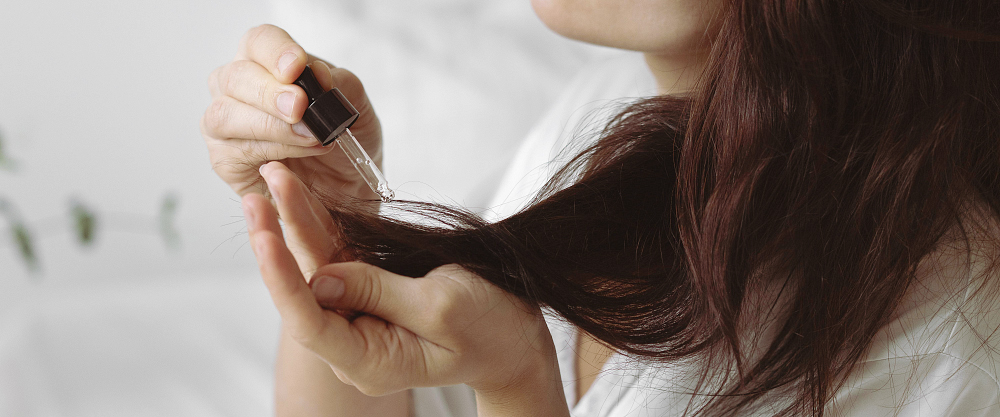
256, 111
305, 385
447, 327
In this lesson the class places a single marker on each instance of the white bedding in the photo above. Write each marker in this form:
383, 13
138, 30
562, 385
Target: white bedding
102, 103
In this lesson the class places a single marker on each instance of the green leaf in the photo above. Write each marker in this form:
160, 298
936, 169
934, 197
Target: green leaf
168, 215
5, 161
25, 245
19, 234
84, 223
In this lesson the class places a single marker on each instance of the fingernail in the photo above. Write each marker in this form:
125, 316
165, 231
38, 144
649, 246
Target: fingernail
286, 101
286, 61
263, 168
327, 288
248, 217
301, 130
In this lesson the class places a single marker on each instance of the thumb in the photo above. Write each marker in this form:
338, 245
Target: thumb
369, 289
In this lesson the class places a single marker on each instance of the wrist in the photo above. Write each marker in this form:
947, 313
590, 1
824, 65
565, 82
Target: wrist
538, 391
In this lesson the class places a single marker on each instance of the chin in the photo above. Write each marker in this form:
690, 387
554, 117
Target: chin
555, 14
566, 19
589, 22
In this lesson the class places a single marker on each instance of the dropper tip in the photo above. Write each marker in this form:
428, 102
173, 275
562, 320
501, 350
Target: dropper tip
385, 193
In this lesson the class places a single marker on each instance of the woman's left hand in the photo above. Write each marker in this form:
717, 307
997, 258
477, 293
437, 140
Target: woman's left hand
445, 328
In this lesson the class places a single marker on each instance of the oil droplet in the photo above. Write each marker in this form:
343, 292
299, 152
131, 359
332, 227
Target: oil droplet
385, 193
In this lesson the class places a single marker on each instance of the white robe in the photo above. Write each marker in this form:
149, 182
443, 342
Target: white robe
929, 361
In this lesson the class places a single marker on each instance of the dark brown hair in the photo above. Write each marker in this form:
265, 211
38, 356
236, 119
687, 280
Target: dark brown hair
829, 147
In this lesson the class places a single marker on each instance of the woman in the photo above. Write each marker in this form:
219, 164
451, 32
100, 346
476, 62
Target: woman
804, 221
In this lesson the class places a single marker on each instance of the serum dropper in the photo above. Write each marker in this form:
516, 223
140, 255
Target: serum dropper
329, 117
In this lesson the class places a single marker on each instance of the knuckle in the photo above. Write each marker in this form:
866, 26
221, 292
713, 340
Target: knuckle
231, 77
271, 126
221, 165
371, 291
261, 96
204, 130
269, 30
216, 116
222, 159
451, 298
445, 307
255, 33
226, 78
449, 270
242, 75
308, 338
240, 80
259, 152
448, 310
213, 80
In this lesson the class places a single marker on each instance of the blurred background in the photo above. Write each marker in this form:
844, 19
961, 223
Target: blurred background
126, 285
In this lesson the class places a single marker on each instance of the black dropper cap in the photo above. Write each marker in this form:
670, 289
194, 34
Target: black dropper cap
329, 113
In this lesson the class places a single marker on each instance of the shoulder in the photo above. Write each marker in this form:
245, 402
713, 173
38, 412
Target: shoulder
590, 99
939, 354
936, 384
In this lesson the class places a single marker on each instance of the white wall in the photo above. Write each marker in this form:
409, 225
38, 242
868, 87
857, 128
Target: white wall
100, 101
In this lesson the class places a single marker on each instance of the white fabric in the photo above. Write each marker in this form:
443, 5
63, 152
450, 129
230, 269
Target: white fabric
585, 100
930, 361
590, 99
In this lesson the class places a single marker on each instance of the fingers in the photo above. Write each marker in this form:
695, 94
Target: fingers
272, 48
231, 156
288, 289
229, 118
323, 332
330, 76
322, 70
351, 86
256, 111
316, 207
250, 83
310, 233
238, 160
366, 288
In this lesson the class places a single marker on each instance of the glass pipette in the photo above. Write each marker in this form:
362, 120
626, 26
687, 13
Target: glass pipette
328, 117
365, 166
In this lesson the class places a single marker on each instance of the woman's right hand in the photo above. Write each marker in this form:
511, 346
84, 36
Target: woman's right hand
445, 328
255, 118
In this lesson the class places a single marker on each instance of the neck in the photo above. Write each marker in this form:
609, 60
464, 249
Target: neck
675, 75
